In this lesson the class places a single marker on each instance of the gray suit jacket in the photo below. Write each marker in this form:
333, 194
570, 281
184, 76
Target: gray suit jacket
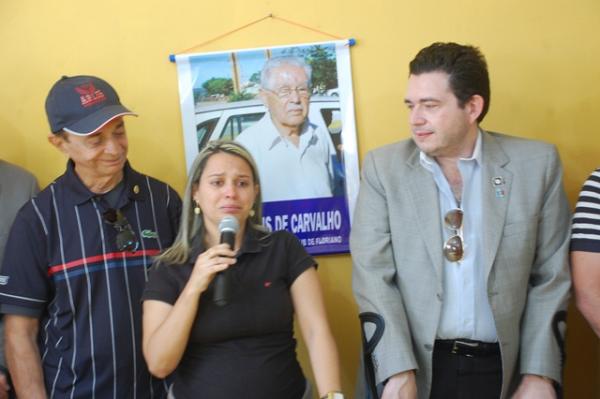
17, 186
396, 245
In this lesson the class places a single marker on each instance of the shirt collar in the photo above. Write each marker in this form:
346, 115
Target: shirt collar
252, 240
79, 193
275, 137
428, 162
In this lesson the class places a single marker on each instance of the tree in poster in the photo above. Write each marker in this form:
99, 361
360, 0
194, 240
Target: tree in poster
255, 78
218, 86
324, 74
322, 61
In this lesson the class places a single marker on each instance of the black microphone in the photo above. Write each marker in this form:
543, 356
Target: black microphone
229, 226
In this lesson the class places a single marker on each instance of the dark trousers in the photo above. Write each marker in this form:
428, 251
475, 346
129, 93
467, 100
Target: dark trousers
462, 377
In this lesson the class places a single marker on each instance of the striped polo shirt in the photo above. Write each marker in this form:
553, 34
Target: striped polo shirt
585, 235
62, 265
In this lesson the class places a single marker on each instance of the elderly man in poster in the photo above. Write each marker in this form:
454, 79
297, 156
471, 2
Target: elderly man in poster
294, 156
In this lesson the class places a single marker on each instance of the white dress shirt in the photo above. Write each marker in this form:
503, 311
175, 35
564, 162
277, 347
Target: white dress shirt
466, 311
287, 171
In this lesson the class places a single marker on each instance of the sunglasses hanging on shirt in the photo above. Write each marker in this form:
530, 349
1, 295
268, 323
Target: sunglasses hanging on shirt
126, 238
454, 246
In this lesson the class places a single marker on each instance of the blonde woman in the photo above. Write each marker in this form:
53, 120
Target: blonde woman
245, 349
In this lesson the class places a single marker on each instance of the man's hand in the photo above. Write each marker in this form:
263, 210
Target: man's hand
535, 387
23, 356
401, 386
4, 387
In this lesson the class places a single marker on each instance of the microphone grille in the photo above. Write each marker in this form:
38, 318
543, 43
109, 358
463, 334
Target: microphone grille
229, 223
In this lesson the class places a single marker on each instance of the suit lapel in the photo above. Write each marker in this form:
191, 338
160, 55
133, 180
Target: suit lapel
425, 202
496, 186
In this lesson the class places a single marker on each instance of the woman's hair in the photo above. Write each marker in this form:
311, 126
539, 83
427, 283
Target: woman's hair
191, 223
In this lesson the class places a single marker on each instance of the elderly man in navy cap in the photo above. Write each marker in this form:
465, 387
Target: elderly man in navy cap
77, 255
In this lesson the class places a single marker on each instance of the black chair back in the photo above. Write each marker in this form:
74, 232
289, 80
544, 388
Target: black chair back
368, 348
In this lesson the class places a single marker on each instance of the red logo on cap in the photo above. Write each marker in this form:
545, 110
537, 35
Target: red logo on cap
89, 95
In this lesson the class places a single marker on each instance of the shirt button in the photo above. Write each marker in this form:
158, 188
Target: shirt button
439, 296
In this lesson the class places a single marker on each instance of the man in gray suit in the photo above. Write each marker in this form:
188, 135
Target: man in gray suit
459, 243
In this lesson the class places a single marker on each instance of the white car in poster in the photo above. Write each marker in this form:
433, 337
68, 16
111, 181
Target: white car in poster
225, 121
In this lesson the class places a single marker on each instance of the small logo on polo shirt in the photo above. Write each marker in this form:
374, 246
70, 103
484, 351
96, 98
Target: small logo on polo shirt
89, 95
4, 280
149, 234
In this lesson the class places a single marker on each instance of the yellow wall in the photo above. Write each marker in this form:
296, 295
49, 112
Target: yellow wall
544, 59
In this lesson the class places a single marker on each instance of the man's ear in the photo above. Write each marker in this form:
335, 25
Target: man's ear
58, 142
474, 107
262, 95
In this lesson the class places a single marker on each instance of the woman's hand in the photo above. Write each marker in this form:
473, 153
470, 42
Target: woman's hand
208, 264
167, 327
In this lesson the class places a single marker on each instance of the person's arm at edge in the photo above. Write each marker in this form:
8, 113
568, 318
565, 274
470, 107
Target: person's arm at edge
585, 271
549, 289
310, 309
23, 356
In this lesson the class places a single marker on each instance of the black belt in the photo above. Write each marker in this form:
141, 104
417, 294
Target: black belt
467, 347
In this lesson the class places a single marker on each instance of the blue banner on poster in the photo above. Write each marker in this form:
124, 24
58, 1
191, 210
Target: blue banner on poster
321, 224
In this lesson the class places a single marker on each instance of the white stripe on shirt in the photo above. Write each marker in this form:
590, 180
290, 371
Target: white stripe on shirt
89, 298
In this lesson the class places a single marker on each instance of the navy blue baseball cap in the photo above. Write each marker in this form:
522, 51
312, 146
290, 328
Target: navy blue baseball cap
81, 105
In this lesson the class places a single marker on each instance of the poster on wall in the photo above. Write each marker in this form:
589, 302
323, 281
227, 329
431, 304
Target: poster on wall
292, 107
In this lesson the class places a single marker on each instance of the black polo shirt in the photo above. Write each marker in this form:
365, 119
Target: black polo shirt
245, 349
62, 265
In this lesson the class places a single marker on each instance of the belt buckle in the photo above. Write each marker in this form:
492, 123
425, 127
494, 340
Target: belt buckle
462, 348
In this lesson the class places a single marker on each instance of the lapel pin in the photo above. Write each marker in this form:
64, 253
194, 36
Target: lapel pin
498, 181
136, 189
